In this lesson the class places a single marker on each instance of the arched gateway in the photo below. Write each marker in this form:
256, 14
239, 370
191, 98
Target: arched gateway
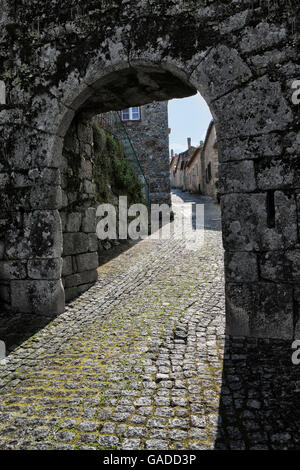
59, 61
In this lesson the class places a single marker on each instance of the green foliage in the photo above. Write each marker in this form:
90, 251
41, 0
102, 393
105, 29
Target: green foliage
113, 173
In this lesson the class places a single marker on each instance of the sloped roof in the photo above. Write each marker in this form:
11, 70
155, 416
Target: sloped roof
209, 129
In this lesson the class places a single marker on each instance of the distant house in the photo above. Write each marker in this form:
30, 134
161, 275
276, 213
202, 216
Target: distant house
210, 162
194, 172
179, 175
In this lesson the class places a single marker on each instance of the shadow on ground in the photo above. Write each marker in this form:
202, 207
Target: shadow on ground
260, 397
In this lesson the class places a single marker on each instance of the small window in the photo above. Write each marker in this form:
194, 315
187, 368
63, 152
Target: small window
125, 114
131, 114
135, 114
208, 173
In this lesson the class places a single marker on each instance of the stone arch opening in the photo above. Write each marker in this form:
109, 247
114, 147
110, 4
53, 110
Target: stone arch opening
228, 54
250, 299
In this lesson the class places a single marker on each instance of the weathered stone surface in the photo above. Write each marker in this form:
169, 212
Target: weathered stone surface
75, 243
40, 236
262, 36
234, 72
49, 176
4, 180
71, 293
73, 222
93, 242
87, 169
86, 277
291, 142
89, 187
84, 133
67, 268
241, 267
237, 177
254, 309
45, 197
258, 108
13, 270
285, 220
297, 196
89, 220
71, 281
45, 269
245, 222
5, 293
262, 61
2, 92
268, 145
40, 152
235, 22
277, 173
280, 266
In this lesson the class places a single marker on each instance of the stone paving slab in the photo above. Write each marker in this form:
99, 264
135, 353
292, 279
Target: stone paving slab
141, 361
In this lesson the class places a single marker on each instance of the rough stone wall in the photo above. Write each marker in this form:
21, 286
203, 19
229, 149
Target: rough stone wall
243, 57
78, 210
210, 156
150, 139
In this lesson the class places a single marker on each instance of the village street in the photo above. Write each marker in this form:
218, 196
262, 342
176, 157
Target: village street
138, 362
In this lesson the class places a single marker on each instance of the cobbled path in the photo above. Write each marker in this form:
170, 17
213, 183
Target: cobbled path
138, 362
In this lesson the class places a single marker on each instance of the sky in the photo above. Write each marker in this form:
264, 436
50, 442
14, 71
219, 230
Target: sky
188, 117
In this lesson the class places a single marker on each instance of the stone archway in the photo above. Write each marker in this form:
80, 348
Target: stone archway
93, 59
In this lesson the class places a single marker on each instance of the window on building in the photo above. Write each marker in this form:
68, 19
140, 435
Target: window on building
197, 170
131, 114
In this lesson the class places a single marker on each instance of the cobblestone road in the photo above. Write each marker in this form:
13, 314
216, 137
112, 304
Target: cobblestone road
138, 362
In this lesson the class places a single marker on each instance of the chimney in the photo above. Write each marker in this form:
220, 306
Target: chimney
172, 153
189, 141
